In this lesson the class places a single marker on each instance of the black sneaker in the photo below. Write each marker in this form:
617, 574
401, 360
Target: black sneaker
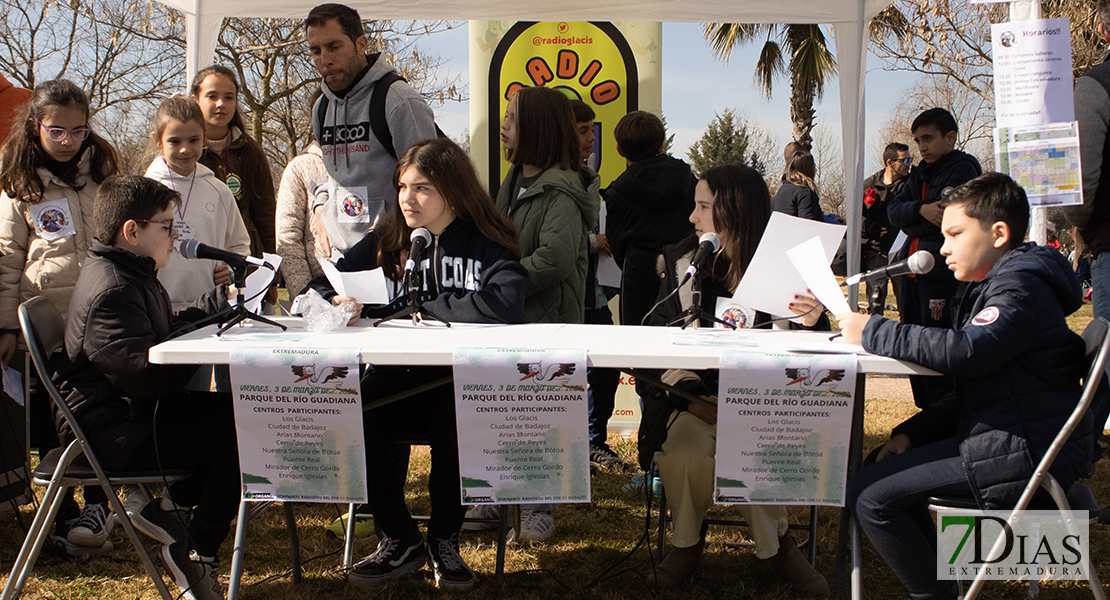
452, 573
196, 578
393, 558
602, 456
166, 526
91, 528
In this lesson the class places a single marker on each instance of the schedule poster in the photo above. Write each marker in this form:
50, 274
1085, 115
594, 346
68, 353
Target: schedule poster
784, 421
522, 419
298, 415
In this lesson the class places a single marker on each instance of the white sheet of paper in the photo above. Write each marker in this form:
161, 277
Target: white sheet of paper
13, 385
258, 281
771, 280
367, 287
813, 265
608, 272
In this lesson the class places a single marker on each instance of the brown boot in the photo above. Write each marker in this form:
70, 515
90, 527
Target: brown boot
677, 568
793, 568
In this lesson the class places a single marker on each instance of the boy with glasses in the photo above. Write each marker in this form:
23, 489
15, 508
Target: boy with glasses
118, 311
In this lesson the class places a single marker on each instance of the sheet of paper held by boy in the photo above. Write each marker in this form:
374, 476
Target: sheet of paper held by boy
771, 280
367, 287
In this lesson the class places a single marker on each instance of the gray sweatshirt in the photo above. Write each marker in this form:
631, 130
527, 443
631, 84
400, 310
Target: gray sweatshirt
359, 192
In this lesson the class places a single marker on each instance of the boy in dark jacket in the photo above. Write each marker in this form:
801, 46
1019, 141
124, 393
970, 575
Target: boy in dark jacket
119, 311
1016, 366
648, 207
926, 299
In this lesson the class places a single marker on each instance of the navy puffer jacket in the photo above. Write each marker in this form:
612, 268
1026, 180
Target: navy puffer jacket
1017, 367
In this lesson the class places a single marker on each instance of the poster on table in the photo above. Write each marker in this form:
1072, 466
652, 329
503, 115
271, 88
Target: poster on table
784, 421
298, 416
522, 419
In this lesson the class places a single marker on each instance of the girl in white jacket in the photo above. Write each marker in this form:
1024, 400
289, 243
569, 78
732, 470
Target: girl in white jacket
207, 211
50, 169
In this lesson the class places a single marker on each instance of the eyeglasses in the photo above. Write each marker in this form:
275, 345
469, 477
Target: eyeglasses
58, 134
906, 161
168, 223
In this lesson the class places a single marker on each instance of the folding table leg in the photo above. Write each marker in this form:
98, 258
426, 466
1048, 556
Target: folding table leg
294, 540
349, 541
237, 551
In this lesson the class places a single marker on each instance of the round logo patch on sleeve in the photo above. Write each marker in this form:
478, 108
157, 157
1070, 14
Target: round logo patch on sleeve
986, 316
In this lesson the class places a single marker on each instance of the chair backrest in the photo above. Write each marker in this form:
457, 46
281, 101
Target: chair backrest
45, 332
1096, 337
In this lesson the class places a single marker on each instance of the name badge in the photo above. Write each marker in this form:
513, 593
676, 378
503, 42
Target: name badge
351, 205
742, 317
53, 220
235, 184
184, 230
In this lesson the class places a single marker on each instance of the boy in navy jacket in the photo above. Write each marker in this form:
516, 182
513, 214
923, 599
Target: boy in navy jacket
1016, 366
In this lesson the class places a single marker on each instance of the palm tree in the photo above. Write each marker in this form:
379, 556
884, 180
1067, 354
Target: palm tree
811, 63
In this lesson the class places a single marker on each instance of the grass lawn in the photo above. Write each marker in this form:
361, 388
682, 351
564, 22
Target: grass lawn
599, 550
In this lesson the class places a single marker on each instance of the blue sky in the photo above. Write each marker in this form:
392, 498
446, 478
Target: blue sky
687, 63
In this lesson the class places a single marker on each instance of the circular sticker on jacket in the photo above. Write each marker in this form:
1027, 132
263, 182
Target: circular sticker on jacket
986, 316
52, 220
353, 206
235, 185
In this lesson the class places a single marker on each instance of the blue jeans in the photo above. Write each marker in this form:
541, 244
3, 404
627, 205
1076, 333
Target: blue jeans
601, 395
1100, 281
888, 500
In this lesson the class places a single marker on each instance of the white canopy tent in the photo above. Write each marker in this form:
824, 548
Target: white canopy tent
849, 19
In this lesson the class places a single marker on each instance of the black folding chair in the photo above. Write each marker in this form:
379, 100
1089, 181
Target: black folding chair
44, 332
1097, 339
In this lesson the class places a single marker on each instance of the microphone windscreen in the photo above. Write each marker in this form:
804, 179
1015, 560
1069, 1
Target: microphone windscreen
421, 232
712, 239
921, 262
188, 248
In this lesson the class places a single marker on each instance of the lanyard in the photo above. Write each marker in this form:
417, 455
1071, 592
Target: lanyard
184, 205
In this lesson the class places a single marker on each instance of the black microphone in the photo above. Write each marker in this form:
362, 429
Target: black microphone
421, 239
919, 264
708, 244
192, 249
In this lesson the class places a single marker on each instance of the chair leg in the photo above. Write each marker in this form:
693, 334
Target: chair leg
502, 535
29, 552
349, 540
237, 551
812, 536
661, 536
294, 540
136, 541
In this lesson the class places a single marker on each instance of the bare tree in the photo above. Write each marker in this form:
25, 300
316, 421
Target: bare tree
828, 155
951, 38
278, 77
973, 113
118, 51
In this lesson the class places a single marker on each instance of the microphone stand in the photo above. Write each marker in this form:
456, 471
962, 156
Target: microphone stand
695, 312
414, 308
240, 312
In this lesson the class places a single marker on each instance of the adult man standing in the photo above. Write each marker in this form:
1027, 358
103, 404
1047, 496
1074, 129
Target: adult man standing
878, 234
359, 156
1092, 111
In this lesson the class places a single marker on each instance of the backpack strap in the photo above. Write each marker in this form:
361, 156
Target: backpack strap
378, 123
